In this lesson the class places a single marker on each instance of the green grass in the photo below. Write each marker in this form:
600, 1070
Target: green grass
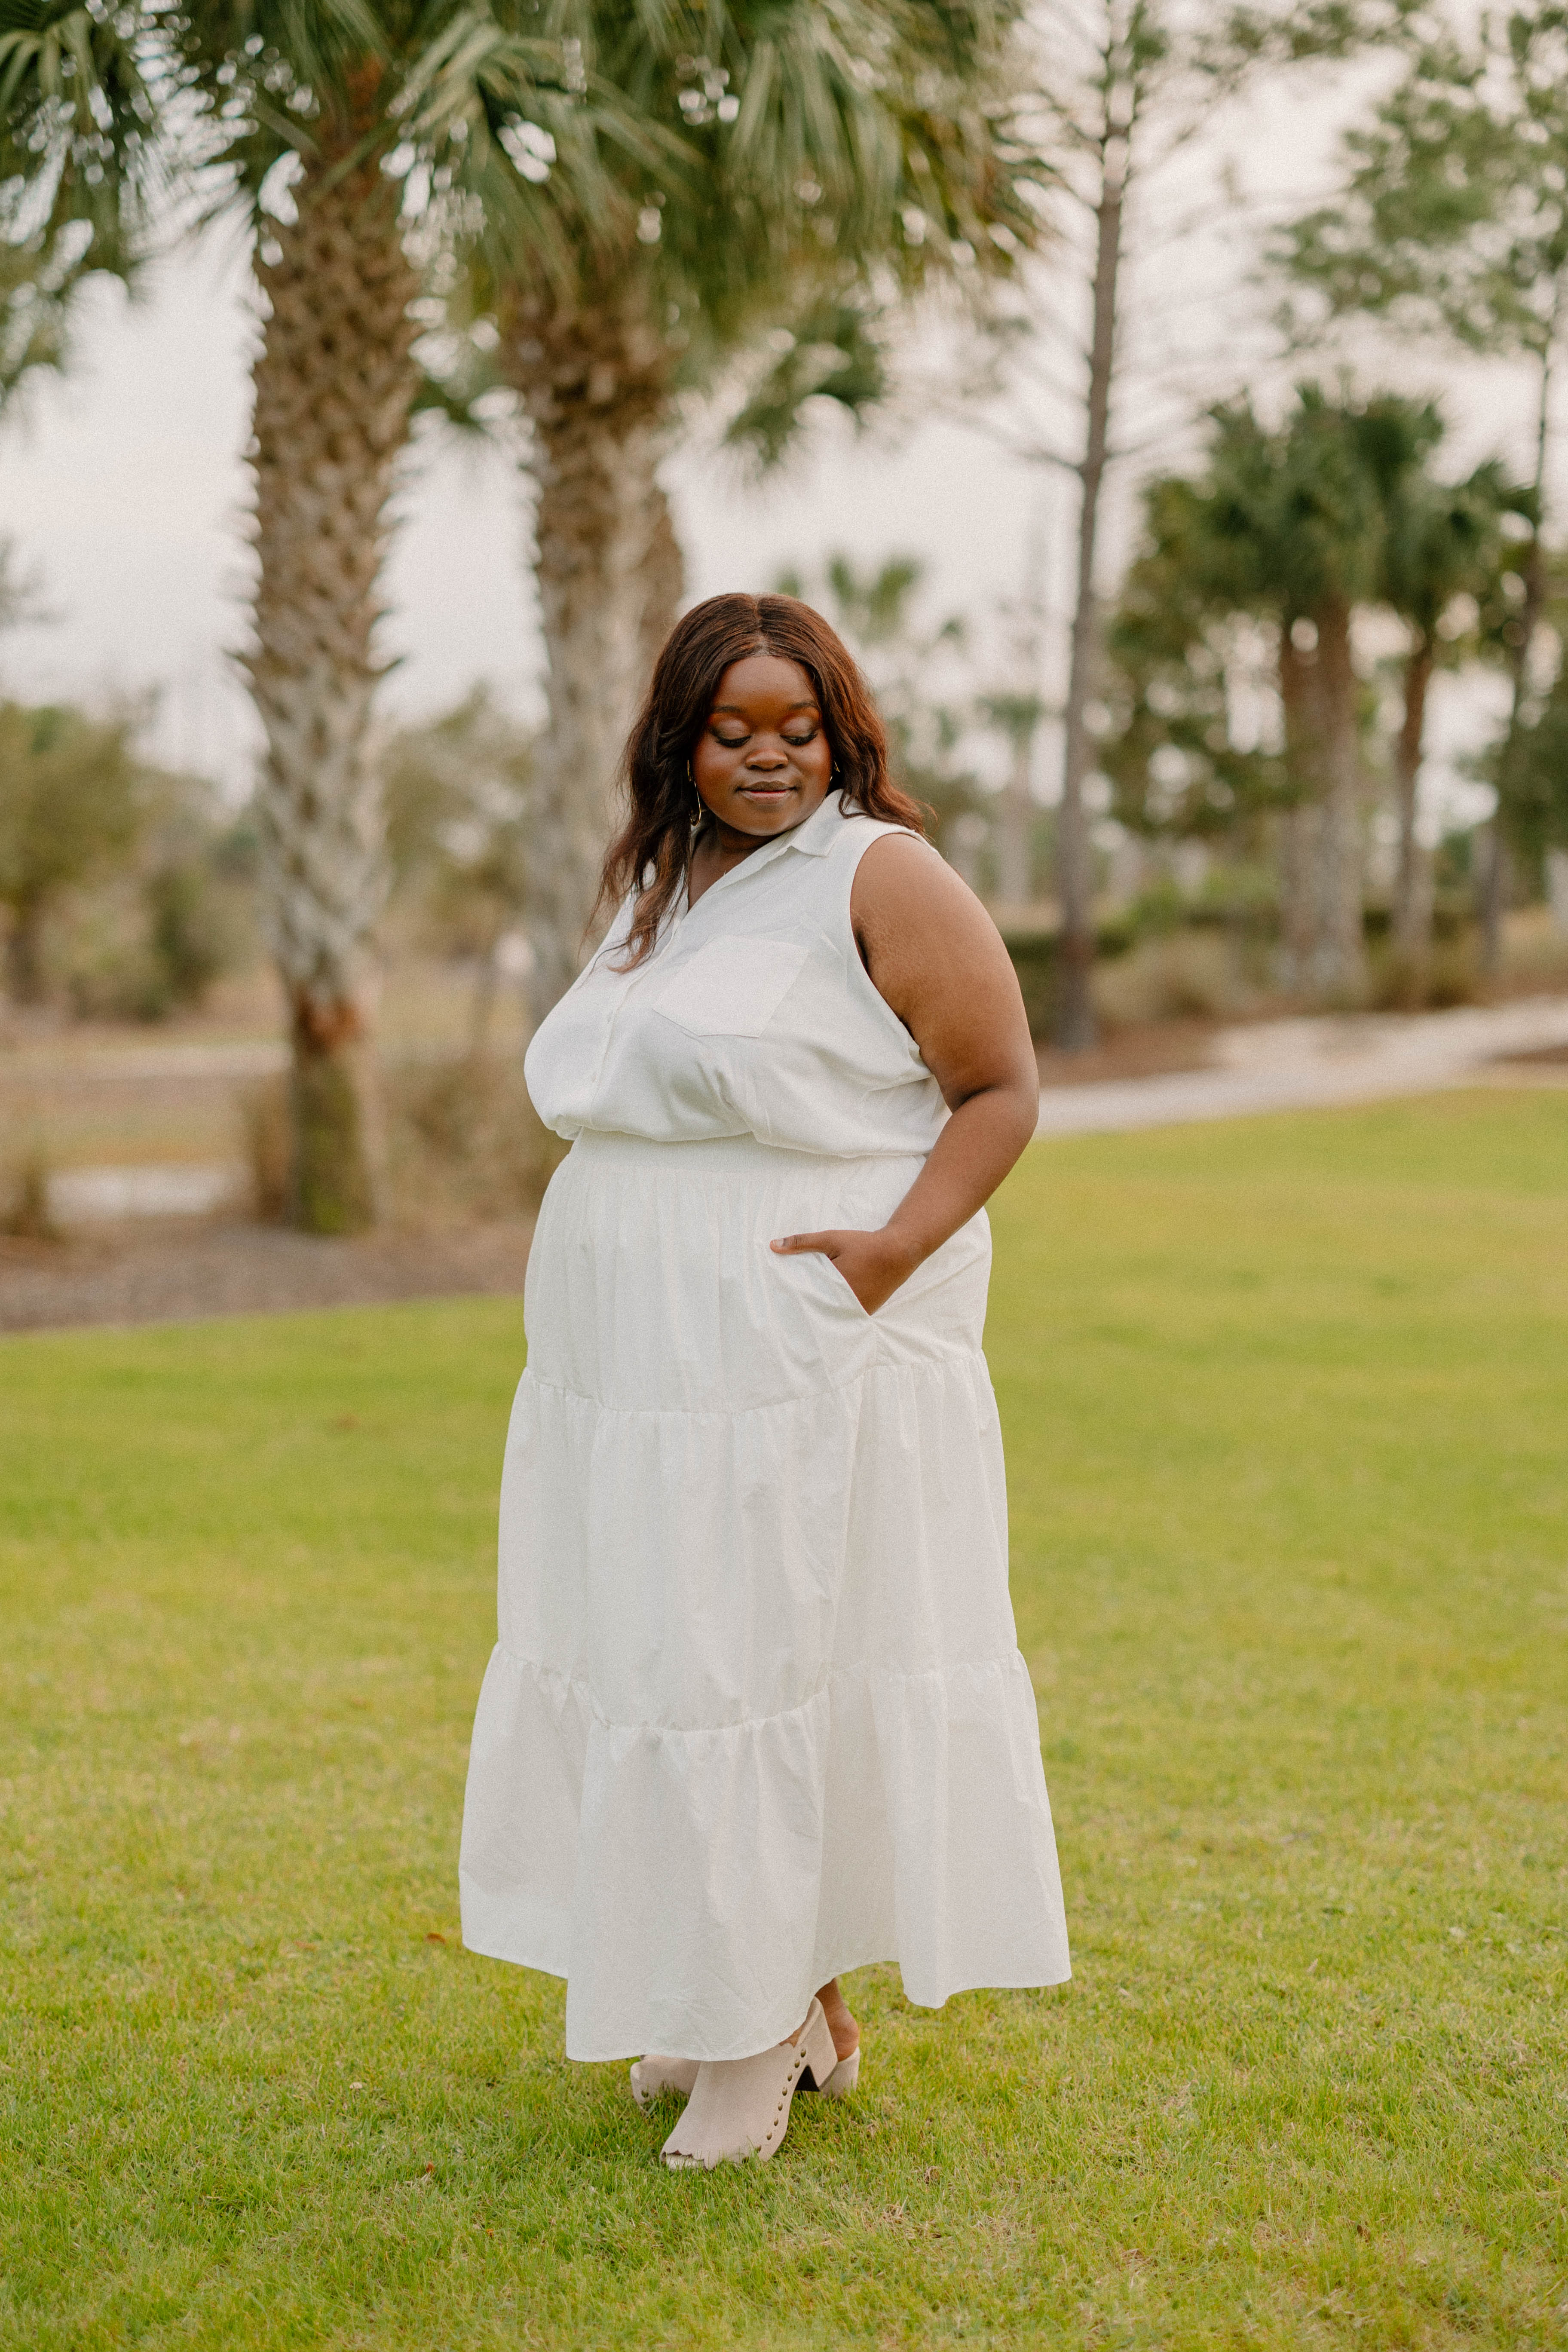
1287, 1409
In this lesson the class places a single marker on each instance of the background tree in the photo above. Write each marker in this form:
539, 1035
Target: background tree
1539, 784
70, 800
1018, 718
1290, 526
344, 136
1454, 214
78, 167
1124, 85
456, 793
1442, 542
837, 155
1191, 684
350, 141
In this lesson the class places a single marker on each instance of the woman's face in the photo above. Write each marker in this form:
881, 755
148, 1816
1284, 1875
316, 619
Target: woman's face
763, 761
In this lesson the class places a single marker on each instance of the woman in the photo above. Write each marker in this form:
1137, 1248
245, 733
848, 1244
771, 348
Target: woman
757, 1713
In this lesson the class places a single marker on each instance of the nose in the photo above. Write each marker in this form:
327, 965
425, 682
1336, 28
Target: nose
766, 760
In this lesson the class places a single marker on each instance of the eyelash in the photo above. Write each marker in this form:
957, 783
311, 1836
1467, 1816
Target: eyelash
733, 742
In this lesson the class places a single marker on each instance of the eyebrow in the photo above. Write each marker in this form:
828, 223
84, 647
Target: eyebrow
734, 709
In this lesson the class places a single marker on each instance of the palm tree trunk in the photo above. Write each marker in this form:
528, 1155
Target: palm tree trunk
1411, 925
592, 384
1075, 869
1342, 943
25, 952
1298, 829
1495, 869
1015, 863
661, 583
334, 382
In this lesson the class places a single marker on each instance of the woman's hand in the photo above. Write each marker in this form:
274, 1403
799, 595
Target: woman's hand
872, 1264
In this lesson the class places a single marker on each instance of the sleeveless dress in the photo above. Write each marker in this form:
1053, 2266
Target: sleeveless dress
756, 1715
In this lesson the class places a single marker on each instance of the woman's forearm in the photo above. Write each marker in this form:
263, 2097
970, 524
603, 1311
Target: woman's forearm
983, 1139
980, 1141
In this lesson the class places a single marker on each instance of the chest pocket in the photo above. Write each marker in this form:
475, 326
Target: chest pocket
732, 988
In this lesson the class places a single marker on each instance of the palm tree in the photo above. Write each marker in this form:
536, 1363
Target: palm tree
1296, 520
1443, 541
346, 137
352, 141
1291, 525
77, 169
837, 154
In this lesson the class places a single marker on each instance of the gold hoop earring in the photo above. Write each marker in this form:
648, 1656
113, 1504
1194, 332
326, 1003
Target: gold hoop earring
699, 808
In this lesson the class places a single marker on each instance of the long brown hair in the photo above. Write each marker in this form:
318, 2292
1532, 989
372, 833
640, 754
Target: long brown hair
653, 848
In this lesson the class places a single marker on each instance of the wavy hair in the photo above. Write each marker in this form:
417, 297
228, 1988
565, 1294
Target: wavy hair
653, 848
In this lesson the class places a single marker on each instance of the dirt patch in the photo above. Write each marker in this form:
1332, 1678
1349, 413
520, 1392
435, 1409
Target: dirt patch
1143, 1050
180, 1272
1532, 1057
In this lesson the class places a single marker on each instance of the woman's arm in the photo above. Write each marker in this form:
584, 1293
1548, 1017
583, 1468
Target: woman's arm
933, 952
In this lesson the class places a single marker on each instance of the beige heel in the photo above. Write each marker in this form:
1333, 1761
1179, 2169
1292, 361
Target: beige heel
739, 2107
651, 2076
842, 2080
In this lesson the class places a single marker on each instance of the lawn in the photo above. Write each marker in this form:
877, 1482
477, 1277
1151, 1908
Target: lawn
1287, 1411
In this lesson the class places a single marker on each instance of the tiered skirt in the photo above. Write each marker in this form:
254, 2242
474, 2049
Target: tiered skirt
756, 1714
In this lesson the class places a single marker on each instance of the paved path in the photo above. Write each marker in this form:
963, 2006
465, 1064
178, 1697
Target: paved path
1298, 1064
1306, 1065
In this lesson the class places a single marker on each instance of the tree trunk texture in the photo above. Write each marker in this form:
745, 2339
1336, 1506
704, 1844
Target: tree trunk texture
1340, 959
335, 381
661, 586
1014, 833
1495, 863
1413, 894
25, 953
1322, 944
608, 568
1297, 826
1075, 869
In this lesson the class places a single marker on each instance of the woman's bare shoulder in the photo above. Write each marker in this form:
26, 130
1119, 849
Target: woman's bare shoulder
903, 887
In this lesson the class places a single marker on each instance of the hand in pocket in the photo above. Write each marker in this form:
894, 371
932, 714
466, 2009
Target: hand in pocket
874, 1265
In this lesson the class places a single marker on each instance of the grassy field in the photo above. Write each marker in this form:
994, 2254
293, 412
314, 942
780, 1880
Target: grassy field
1287, 1411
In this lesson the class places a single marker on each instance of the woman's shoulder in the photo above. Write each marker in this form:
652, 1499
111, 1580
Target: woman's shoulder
857, 829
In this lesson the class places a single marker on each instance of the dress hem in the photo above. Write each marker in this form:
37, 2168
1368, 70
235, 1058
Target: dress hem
486, 1950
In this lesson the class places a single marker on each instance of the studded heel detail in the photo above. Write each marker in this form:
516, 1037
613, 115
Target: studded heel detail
739, 2107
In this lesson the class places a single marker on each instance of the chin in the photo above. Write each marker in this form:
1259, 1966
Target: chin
751, 817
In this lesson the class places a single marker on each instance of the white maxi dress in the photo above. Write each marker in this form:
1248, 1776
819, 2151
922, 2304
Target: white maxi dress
756, 1715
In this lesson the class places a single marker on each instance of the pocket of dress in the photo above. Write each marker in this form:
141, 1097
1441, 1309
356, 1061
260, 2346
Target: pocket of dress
733, 987
834, 1287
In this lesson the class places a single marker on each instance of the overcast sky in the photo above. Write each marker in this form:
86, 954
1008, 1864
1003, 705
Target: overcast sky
124, 490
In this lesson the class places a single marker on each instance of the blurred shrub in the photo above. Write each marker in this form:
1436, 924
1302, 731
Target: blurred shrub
118, 878
462, 1143
191, 942
25, 1211
456, 793
71, 804
142, 947
1179, 975
1034, 955
263, 1109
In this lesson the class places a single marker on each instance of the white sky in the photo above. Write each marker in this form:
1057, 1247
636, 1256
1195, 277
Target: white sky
123, 486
